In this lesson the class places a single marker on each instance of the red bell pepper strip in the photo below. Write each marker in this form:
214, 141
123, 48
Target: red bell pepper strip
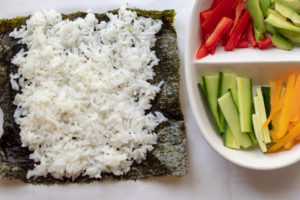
264, 43
250, 34
204, 15
212, 51
202, 52
242, 44
238, 11
225, 39
215, 3
223, 9
222, 27
238, 31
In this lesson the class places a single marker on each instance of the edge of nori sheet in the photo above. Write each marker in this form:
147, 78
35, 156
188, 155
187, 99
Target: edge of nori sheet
169, 154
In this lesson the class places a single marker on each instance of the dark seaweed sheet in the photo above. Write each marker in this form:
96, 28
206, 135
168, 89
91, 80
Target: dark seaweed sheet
169, 155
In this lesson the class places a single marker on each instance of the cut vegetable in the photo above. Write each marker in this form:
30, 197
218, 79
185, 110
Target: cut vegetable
202, 90
202, 52
258, 133
258, 18
267, 101
227, 81
278, 22
250, 35
287, 11
285, 114
238, 11
205, 14
295, 107
222, 27
264, 43
238, 31
235, 97
260, 112
281, 43
211, 84
223, 9
232, 118
265, 5
229, 140
290, 136
252, 137
275, 96
244, 90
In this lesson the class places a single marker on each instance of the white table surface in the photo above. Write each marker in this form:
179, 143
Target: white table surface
210, 176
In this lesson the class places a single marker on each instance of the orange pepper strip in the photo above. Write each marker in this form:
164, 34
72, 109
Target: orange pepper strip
288, 137
284, 120
275, 122
275, 93
290, 144
295, 107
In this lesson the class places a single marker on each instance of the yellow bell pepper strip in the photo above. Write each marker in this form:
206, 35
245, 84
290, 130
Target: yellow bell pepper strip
293, 133
285, 114
295, 107
275, 95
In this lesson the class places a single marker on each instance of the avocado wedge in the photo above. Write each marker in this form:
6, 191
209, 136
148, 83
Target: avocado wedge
295, 4
287, 12
279, 22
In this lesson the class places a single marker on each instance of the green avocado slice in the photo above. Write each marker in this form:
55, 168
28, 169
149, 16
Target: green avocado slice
279, 22
287, 12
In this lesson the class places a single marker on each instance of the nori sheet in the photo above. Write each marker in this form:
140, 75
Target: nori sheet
169, 156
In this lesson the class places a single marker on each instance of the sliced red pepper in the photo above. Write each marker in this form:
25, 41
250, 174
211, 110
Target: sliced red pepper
238, 11
202, 52
212, 51
242, 44
264, 43
250, 34
215, 3
223, 9
225, 39
222, 27
204, 15
238, 31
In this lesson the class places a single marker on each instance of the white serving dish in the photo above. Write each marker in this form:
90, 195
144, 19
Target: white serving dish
260, 65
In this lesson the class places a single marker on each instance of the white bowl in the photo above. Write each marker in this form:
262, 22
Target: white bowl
260, 65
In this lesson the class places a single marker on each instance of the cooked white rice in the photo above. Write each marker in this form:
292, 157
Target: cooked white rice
85, 91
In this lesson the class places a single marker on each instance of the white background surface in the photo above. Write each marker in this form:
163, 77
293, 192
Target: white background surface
210, 176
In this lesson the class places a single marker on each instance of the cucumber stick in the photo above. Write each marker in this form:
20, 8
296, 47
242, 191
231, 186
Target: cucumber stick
258, 133
229, 140
244, 90
253, 137
235, 97
211, 87
226, 81
232, 118
267, 101
261, 115
202, 90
